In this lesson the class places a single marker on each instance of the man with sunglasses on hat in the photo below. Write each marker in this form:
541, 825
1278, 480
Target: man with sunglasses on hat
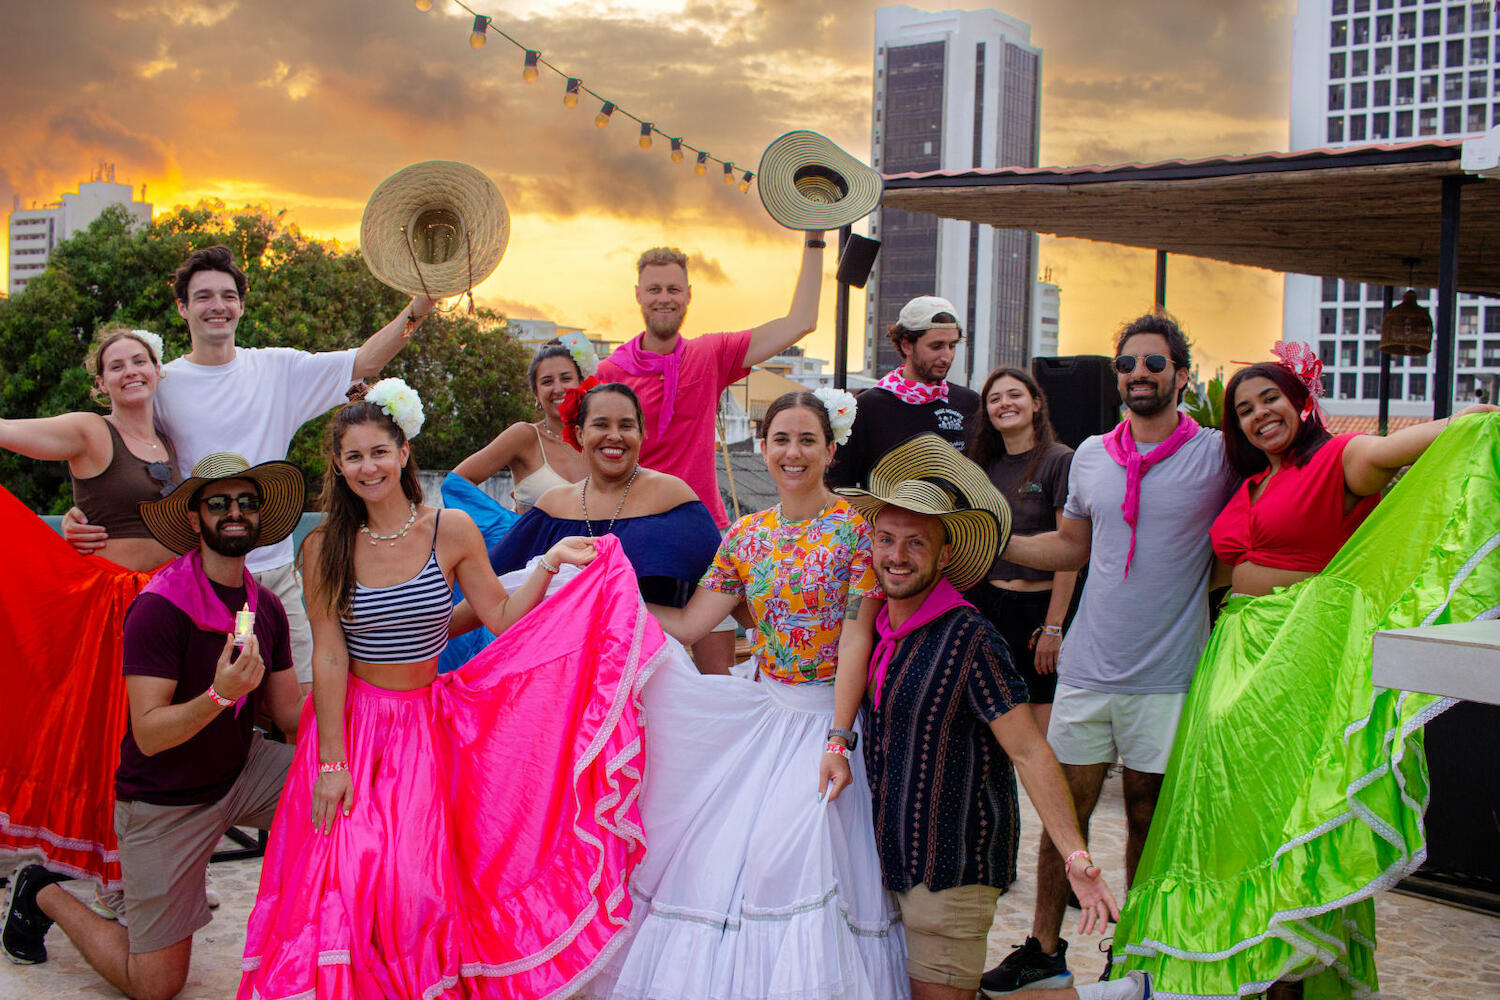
1141, 500
250, 400
947, 718
206, 648
914, 398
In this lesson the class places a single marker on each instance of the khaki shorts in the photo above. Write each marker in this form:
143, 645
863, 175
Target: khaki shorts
285, 583
946, 933
1099, 727
164, 850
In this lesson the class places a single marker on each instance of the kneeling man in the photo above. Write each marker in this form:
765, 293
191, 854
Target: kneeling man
191, 763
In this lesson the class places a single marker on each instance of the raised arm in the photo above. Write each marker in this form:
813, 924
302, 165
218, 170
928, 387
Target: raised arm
771, 338
496, 455
1372, 461
1065, 549
387, 342
63, 438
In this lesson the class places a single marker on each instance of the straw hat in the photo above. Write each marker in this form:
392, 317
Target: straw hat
807, 182
282, 492
437, 228
926, 475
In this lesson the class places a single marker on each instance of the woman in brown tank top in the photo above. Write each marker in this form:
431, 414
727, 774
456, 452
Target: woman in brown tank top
116, 459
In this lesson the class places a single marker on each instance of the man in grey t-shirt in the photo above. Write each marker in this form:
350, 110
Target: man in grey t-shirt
1141, 500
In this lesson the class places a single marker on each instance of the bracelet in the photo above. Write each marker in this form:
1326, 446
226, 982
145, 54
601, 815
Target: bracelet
333, 766
219, 699
815, 244
836, 748
1054, 630
542, 561
849, 736
1080, 853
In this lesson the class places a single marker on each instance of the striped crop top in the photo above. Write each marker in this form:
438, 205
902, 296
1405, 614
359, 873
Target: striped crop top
403, 623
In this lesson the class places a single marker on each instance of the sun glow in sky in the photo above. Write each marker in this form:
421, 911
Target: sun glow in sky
307, 107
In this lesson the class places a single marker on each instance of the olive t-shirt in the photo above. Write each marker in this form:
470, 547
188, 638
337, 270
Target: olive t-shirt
1033, 503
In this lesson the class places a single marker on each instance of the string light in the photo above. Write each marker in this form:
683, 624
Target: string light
745, 181
646, 135
728, 172
481, 25
424, 5
676, 150
529, 74
570, 96
602, 118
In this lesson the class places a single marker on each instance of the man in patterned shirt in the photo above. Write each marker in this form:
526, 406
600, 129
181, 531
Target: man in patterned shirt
948, 717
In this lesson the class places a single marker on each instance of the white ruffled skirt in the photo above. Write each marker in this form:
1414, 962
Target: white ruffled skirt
751, 887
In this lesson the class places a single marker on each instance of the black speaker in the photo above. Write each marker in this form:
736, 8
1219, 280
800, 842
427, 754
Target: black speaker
857, 260
1082, 395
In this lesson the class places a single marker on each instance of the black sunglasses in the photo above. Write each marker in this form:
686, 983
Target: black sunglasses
219, 503
162, 473
1155, 363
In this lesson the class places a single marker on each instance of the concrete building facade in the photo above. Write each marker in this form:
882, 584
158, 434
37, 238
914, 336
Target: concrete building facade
953, 90
36, 232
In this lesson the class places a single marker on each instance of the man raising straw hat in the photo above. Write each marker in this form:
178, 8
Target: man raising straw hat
948, 715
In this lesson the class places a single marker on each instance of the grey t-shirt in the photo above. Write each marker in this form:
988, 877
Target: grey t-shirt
1144, 634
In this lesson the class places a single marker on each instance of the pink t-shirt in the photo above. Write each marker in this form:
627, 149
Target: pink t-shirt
710, 364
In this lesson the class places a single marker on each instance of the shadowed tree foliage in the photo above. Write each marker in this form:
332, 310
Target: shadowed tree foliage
303, 293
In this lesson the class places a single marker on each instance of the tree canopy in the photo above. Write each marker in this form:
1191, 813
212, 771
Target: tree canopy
303, 293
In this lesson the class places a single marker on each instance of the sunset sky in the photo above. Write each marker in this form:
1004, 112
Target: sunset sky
307, 106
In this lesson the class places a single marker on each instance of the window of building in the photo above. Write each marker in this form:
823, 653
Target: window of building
1416, 387
1495, 116
1336, 97
1339, 34
1475, 122
1453, 87
1453, 120
1406, 58
1372, 354
1463, 388
1479, 86
1453, 53
1340, 7
1374, 293
1382, 61
1492, 319
1432, 22
1351, 323
1479, 17
1335, 129
1427, 122
1327, 351
1456, 20
1361, 31
1468, 353
1359, 65
1380, 126
1348, 353
1383, 28
1429, 88
1432, 55
1357, 131
1351, 291
1406, 25
1328, 321
1405, 89
1359, 94
1468, 321
1380, 96
1371, 385
1490, 357
1479, 51
1336, 66
1347, 383
1331, 292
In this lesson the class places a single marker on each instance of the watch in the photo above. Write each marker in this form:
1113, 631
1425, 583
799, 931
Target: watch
849, 736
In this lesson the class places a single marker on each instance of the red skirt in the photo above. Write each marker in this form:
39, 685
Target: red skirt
62, 616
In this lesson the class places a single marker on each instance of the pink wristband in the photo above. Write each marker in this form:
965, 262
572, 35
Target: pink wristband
833, 746
332, 766
1068, 864
219, 699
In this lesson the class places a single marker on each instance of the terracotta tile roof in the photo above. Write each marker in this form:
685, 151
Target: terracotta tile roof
1351, 423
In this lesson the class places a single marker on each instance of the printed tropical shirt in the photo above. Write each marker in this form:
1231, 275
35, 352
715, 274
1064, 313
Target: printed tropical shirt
797, 577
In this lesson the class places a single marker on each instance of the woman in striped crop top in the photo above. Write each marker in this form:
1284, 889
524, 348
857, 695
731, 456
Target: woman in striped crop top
368, 811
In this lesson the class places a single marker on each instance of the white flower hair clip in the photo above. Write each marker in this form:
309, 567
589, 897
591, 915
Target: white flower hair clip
841, 407
400, 402
582, 351
152, 341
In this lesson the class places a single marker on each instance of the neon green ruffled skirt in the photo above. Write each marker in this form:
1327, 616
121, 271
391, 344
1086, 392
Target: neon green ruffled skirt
1296, 788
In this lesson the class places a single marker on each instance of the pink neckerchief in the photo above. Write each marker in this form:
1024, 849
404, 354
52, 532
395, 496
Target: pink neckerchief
940, 600
910, 390
634, 359
184, 582
1120, 444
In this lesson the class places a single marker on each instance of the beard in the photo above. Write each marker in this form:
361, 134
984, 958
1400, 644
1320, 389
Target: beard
232, 546
659, 325
914, 584
1148, 406
928, 372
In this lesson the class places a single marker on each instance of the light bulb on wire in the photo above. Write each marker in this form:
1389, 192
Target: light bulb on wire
676, 150
728, 173
529, 74
701, 167
570, 96
424, 5
602, 118
481, 25
646, 135
745, 182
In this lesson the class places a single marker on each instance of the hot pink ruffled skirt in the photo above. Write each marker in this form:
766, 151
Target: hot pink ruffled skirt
495, 822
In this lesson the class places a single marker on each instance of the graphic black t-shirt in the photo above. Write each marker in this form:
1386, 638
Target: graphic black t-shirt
883, 421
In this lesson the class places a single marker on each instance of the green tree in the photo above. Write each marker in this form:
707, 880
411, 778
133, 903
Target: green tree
303, 293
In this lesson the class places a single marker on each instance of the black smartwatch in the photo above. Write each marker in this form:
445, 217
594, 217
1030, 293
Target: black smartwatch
849, 736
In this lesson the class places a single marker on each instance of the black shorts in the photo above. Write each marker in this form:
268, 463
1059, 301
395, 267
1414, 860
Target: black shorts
1016, 614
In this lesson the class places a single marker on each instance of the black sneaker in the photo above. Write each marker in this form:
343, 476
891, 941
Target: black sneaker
1029, 968
25, 925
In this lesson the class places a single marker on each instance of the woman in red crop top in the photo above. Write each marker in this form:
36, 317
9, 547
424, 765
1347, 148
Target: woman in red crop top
1279, 813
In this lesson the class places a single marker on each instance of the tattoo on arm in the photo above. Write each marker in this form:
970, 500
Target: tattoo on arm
851, 608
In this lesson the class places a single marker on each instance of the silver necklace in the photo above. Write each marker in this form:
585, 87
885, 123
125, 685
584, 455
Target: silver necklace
584, 497
392, 538
547, 430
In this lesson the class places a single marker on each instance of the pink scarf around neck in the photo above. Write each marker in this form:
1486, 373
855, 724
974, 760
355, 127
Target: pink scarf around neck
940, 600
634, 359
1120, 444
910, 390
185, 583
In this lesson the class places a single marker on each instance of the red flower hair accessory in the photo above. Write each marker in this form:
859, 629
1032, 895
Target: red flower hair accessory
1304, 363
568, 411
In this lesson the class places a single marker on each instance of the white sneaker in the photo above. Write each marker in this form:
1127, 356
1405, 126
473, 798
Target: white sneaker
210, 894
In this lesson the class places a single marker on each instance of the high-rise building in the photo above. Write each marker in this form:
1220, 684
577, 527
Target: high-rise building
36, 232
1046, 318
1378, 71
954, 90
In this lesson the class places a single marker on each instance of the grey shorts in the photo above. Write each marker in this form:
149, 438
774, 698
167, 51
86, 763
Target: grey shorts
164, 850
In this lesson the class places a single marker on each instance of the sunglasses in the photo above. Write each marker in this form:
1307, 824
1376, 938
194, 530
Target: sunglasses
219, 503
1155, 363
162, 473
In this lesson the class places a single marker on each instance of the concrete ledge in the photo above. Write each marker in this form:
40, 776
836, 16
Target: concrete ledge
1458, 661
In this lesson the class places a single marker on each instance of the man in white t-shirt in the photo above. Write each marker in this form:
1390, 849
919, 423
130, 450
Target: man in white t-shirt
251, 401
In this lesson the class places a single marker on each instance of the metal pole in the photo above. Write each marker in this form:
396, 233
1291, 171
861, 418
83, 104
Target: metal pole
841, 322
1447, 303
1161, 280
1385, 367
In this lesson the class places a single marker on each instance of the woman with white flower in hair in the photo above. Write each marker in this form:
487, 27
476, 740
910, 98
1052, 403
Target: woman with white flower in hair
757, 884
56, 793
399, 862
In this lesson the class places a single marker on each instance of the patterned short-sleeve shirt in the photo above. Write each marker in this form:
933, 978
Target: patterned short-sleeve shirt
797, 577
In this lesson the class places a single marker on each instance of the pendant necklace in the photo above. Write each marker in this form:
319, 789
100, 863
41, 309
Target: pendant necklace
365, 528
584, 498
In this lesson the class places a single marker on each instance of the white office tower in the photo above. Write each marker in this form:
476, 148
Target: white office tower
36, 232
1390, 71
954, 90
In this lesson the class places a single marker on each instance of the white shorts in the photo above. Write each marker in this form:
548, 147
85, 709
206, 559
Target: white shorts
1100, 727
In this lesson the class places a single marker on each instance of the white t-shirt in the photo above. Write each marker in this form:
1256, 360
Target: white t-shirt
252, 406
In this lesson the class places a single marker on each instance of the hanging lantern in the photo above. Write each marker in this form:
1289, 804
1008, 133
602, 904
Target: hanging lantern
1407, 329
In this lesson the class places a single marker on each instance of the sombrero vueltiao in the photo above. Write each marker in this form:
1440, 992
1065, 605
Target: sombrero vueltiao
925, 474
807, 182
282, 492
436, 228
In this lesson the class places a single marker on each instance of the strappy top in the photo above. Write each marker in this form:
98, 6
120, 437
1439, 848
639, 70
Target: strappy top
529, 490
405, 622
1297, 521
110, 499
